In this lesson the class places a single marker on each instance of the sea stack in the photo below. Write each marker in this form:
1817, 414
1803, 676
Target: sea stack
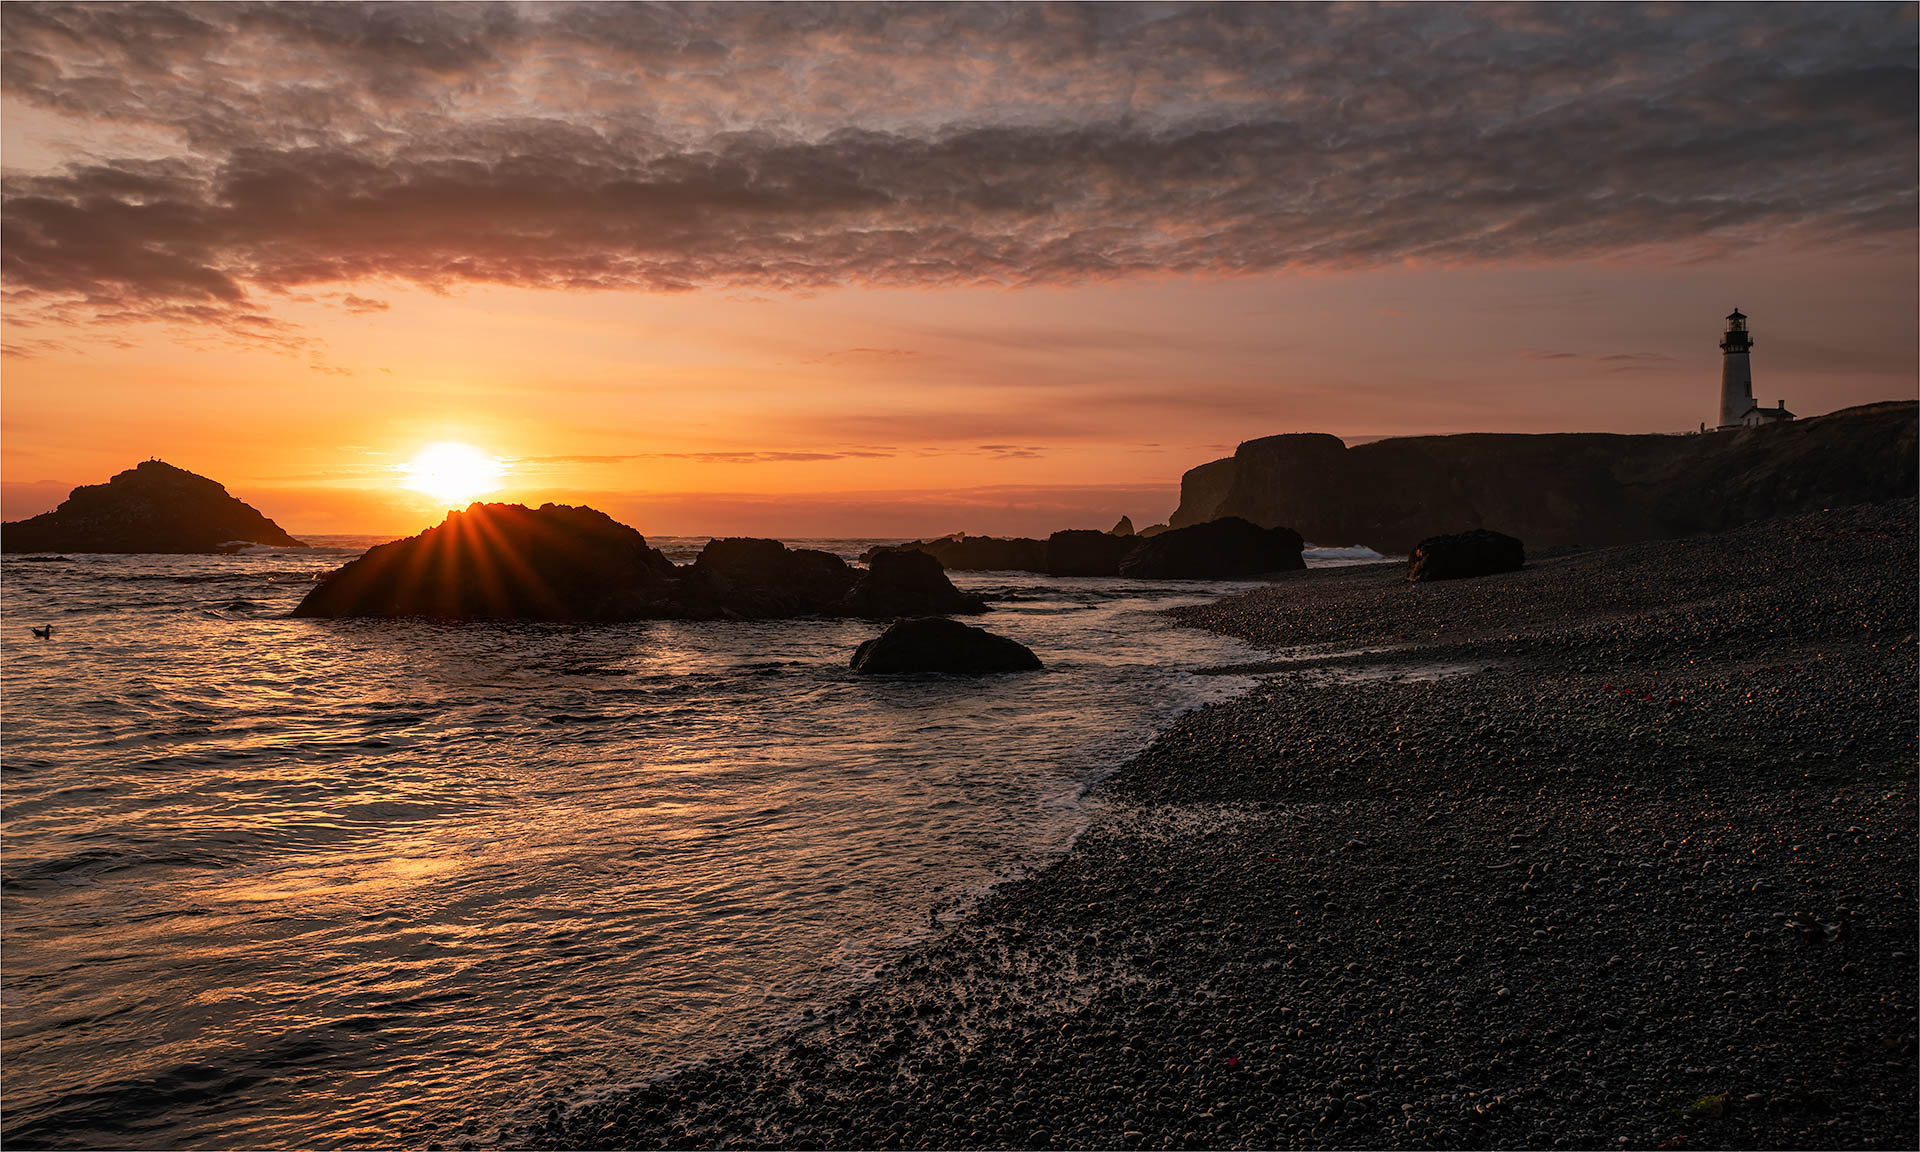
153, 507
555, 563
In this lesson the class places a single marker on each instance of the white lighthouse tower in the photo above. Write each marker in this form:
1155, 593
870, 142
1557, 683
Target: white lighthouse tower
1737, 408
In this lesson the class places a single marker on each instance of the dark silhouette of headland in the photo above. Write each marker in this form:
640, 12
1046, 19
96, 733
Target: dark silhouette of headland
1554, 490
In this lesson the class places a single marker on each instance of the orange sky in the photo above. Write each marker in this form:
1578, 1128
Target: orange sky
1034, 376
702, 412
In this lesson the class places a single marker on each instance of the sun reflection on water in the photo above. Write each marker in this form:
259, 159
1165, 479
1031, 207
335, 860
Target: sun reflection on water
407, 873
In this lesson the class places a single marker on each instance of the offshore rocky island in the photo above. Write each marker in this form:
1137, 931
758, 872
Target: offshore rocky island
152, 507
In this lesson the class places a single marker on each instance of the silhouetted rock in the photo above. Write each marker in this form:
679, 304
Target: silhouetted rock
153, 507
1123, 528
1084, 552
962, 553
764, 579
1476, 553
1203, 493
507, 562
934, 644
1558, 490
1223, 549
907, 583
510, 562
1219, 553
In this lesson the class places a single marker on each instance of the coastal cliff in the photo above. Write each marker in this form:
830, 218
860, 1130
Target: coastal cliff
153, 507
1203, 492
1561, 489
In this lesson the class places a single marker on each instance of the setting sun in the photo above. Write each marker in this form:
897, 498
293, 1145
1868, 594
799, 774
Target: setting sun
451, 472
1265, 573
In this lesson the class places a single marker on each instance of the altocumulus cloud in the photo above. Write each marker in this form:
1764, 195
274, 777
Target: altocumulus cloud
613, 147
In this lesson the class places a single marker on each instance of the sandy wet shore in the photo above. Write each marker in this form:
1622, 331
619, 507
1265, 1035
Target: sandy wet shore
1619, 850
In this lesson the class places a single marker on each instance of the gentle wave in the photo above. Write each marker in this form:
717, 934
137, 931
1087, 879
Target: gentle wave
323, 883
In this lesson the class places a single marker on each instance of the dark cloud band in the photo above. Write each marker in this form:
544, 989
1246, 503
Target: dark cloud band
606, 146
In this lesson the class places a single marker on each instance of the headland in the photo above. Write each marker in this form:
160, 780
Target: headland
1616, 850
1557, 489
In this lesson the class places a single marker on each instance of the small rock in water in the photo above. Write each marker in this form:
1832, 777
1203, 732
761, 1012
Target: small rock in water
935, 644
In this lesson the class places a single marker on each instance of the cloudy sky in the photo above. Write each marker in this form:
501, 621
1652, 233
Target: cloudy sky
846, 269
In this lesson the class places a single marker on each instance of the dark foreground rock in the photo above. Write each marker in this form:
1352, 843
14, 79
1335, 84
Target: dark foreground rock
1224, 549
904, 583
1643, 878
1085, 552
1465, 554
562, 563
152, 507
933, 644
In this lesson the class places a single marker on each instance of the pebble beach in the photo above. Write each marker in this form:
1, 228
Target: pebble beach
1618, 850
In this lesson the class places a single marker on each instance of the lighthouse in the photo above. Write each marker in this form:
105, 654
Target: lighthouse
1737, 409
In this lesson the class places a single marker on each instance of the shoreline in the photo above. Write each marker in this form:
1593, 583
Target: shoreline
1644, 877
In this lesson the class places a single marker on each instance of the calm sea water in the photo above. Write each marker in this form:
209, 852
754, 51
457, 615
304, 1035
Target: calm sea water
276, 882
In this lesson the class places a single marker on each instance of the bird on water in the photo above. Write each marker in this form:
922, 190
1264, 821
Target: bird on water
44, 633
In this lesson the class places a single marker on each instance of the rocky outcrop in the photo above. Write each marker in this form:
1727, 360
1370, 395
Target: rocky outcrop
1153, 530
1224, 549
962, 553
1464, 554
939, 645
1203, 493
1084, 552
561, 563
906, 583
1211, 551
1559, 489
507, 562
153, 507
1123, 528
766, 580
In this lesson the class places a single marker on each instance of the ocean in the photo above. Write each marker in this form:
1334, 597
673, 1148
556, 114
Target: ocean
270, 882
